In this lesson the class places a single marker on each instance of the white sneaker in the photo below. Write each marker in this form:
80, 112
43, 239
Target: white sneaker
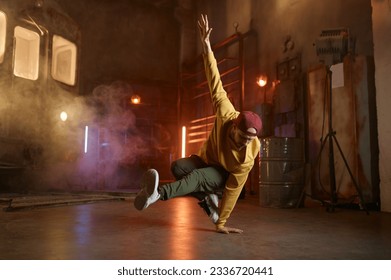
211, 206
149, 190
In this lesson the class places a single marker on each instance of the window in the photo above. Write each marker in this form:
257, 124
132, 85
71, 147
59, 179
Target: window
64, 60
26, 56
3, 28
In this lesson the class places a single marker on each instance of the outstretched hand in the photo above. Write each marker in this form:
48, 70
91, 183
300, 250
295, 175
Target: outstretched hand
228, 230
205, 31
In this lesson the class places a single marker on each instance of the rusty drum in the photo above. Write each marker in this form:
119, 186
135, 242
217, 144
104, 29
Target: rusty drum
281, 171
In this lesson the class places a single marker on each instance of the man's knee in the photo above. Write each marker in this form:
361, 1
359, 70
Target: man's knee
184, 166
177, 170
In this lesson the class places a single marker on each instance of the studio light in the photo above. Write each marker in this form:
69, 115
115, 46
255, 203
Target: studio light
63, 116
262, 81
135, 99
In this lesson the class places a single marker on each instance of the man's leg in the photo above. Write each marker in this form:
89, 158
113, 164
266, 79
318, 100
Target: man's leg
149, 192
201, 183
181, 167
208, 180
196, 179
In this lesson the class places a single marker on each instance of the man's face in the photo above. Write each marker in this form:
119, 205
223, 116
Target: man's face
242, 139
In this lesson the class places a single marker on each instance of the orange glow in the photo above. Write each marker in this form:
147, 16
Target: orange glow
135, 99
183, 141
182, 229
262, 81
275, 83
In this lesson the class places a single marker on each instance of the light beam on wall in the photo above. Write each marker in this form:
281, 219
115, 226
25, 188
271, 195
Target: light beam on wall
183, 141
86, 139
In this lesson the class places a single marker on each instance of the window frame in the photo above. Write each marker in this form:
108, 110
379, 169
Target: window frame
3, 34
22, 67
59, 46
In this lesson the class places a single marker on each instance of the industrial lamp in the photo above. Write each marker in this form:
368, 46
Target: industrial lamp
135, 99
262, 82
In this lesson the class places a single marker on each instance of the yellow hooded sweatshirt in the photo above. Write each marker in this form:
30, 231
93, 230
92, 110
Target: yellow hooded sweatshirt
220, 149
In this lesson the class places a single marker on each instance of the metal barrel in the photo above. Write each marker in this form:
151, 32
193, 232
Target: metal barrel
281, 171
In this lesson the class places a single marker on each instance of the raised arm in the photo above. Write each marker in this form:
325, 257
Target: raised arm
205, 31
221, 102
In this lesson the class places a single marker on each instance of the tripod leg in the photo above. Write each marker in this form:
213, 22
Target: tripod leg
333, 184
351, 175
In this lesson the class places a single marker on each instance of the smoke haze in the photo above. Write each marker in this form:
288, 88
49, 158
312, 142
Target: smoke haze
57, 154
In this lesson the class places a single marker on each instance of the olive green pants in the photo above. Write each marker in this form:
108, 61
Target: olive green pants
193, 176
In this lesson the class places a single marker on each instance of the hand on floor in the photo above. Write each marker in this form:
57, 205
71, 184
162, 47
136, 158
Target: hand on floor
227, 230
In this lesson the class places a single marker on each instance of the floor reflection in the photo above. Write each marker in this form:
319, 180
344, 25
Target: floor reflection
82, 225
182, 239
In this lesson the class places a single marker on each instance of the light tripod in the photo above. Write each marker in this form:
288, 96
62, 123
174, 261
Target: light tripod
330, 139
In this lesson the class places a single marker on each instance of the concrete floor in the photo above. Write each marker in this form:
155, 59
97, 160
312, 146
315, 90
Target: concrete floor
178, 229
